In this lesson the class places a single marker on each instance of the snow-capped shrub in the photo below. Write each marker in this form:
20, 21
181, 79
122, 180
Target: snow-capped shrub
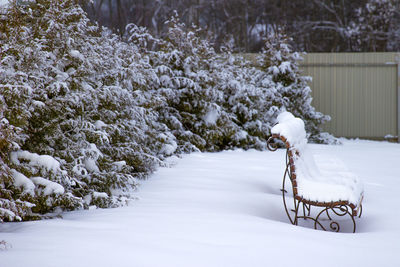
282, 65
249, 97
216, 101
191, 110
74, 91
10, 209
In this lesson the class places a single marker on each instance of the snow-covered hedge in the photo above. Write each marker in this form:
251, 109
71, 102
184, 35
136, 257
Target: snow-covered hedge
73, 91
85, 113
187, 68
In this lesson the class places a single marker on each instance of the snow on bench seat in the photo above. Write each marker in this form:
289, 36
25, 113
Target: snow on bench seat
311, 183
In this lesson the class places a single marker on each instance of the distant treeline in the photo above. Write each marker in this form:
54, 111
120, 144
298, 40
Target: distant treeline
314, 25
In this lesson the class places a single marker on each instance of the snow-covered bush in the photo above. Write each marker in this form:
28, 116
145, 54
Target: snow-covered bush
10, 209
249, 99
280, 63
184, 65
216, 101
74, 92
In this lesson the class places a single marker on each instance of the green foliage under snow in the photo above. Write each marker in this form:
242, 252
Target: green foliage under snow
85, 114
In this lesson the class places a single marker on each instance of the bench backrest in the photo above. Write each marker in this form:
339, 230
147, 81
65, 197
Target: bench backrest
289, 160
292, 132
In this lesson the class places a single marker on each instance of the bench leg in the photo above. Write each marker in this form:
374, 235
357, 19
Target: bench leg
338, 211
324, 219
289, 210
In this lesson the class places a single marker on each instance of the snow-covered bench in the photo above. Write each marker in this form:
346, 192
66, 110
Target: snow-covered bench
336, 194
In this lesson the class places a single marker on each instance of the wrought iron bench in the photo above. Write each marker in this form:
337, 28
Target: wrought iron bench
335, 197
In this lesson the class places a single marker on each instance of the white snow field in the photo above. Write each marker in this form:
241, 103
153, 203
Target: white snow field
221, 209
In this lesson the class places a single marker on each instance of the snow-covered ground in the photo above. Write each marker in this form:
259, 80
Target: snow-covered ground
221, 209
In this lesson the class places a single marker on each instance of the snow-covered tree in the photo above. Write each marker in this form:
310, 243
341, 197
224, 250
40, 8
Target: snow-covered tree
279, 62
375, 27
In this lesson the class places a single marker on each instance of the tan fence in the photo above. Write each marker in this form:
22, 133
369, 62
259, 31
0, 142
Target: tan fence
360, 91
